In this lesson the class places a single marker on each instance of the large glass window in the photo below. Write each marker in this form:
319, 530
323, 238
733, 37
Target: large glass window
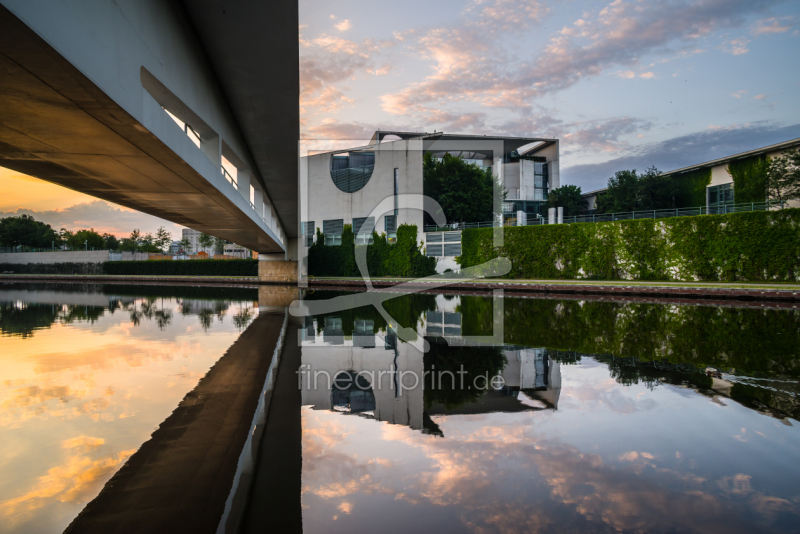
307, 232
362, 229
332, 230
719, 197
350, 171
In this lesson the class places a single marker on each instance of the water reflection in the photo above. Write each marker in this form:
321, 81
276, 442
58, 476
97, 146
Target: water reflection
88, 372
612, 416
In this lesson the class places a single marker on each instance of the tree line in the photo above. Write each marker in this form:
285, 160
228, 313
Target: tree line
25, 232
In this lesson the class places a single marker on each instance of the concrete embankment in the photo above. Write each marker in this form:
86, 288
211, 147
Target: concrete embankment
179, 480
678, 291
112, 278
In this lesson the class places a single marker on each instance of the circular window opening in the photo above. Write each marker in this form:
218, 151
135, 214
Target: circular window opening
351, 171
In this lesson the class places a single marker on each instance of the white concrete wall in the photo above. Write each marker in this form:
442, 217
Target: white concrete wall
72, 256
390, 406
110, 41
553, 165
719, 175
325, 201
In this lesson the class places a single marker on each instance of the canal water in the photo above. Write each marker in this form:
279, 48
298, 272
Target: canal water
454, 413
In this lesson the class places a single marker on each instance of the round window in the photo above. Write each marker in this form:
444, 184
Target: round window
351, 171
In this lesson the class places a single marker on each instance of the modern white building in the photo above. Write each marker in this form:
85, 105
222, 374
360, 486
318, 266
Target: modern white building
365, 186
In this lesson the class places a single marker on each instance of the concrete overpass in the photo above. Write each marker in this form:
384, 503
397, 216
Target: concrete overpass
186, 110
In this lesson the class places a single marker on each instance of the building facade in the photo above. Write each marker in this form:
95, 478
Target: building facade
380, 185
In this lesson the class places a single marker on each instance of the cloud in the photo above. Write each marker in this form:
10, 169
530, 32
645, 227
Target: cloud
77, 480
738, 94
737, 47
329, 60
344, 25
647, 75
773, 25
626, 74
103, 216
472, 63
606, 135
682, 151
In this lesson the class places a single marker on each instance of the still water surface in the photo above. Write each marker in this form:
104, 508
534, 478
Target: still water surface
612, 416
86, 375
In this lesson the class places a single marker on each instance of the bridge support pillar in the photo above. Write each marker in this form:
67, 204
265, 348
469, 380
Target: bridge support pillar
276, 269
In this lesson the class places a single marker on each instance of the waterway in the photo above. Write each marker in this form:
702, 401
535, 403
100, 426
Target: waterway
456, 413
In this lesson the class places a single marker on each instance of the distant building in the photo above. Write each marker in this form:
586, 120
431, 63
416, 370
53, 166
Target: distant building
237, 251
175, 248
720, 192
194, 239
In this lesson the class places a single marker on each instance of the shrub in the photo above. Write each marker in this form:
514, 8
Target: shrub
184, 267
403, 258
755, 246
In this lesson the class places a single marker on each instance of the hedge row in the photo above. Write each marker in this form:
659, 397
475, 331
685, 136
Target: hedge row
184, 267
52, 268
402, 258
756, 246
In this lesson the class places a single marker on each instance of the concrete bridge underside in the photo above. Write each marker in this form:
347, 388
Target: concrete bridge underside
57, 124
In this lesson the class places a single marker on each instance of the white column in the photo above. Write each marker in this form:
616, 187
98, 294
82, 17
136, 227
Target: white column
560, 215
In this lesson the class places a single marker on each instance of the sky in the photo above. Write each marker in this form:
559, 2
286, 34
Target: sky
622, 84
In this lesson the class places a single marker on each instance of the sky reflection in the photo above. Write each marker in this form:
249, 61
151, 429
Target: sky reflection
610, 458
83, 386
609, 421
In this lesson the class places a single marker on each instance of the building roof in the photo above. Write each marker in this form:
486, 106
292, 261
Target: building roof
509, 142
741, 155
720, 161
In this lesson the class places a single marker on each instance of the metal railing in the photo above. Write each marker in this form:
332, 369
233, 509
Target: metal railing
623, 216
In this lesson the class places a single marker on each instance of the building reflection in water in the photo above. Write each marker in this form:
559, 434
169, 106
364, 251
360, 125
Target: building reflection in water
374, 374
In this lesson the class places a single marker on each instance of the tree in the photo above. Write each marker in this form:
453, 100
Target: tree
162, 239
464, 191
219, 245
85, 239
110, 242
186, 245
656, 191
26, 231
205, 241
783, 177
622, 193
568, 197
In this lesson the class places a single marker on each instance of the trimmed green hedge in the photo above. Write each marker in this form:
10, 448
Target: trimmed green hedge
756, 246
403, 258
183, 267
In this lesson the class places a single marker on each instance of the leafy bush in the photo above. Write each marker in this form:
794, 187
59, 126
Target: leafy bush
755, 246
403, 258
184, 267
749, 179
